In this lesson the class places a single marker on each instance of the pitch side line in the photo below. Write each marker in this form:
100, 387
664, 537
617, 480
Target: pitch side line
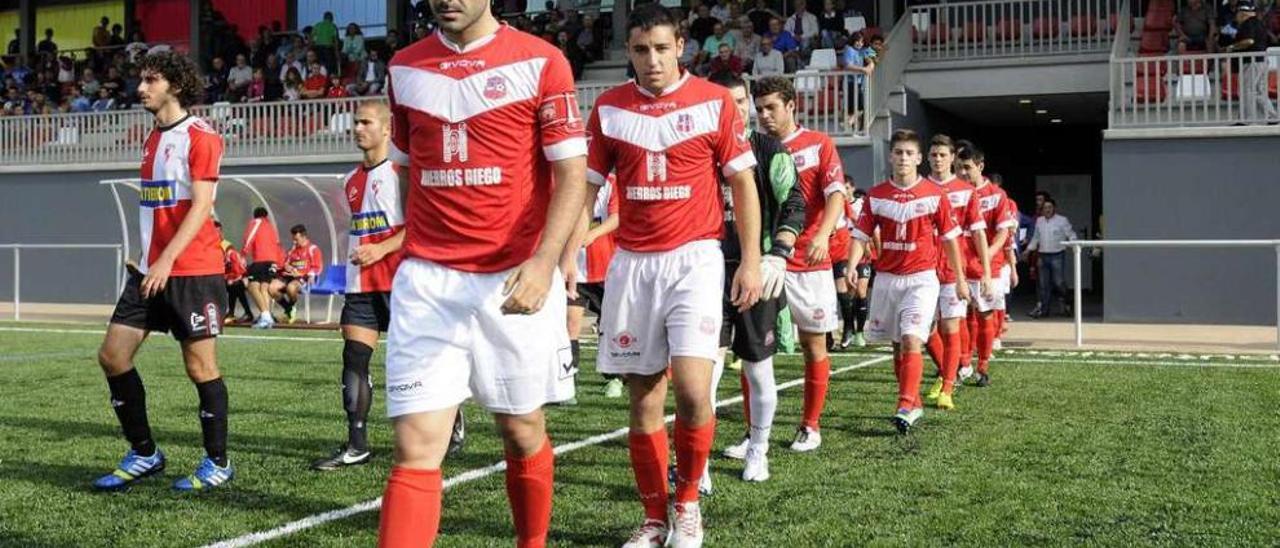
1139, 363
479, 473
222, 336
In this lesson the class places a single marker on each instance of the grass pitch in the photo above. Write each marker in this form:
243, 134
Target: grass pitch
1103, 449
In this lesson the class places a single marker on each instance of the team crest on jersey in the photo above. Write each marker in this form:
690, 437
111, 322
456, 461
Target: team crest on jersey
819, 314
799, 160
495, 88
684, 122
656, 166
168, 151
709, 326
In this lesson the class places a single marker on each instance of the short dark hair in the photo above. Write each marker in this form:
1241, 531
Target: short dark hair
996, 178
728, 79
649, 16
298, 229
1042, 194
967, 151
774, 84
905, 136
181, 72
259, 212
942, 140
1051, 201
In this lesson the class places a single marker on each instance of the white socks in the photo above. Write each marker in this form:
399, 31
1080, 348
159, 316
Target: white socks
763, 399
717, 371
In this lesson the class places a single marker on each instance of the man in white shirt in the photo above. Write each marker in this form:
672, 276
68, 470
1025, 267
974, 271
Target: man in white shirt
803, 25
721, 11
768, 61
239, 76
1051, 231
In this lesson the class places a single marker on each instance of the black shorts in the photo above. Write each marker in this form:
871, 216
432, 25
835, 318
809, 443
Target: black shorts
190, 307
864, 271
368, 310
590, 296
751, 334
838, 268
264, 271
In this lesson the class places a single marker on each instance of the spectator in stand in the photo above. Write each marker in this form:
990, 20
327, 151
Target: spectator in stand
785, 43
724, 61
105, 101
89, 82
136, 47
312, 63
102, 33
721, 11
692, 47
768, 60
292, 85
370, 77
291, 62
324, 39
711, 46
48, 85
420, 31
238, 79
215, 87
20, 73
76, 101
316, 84
1273, 22
40, 103
353, 49
392, 43
587, 40
1196, 28
760, 15
830, 23
114, 83
859, 59
66, 70
131, 81
804, 26
336, 90
1252, 37
117, 36
271, 74
15, 45
577, 59
748, 42
47, 46
704, 25
692, 14
256, 92
877, 46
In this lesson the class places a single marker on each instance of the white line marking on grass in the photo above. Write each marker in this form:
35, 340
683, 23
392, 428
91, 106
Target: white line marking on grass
479, 473
1140, 363
223, 336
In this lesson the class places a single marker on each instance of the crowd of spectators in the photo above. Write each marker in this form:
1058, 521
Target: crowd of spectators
1203, 26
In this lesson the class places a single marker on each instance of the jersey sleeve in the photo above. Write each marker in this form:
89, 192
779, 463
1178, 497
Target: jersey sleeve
865, 225
944, 220
391, 200
250, 232
612, 206
205, 156
733, 148
600, 154
399, 149
315, 261
972, 215
559, 120
832, 168
783, 177
1006, 216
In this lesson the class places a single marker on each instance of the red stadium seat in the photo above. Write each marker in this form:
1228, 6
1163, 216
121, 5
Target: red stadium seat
1046, 27
1230, 84
937, 34
871, 32
1150, 89
974, 31
1155, 65
1154, 42
1273, 86
1084, 25
1114, 20
1008, 29
1196, 66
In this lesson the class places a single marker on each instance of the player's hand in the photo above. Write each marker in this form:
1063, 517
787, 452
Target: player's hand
527, 286
157, 278
962, 291
850, 273
817, 251
746, 287
773, 274
367, 254
986, 288
569, 269
1013, 277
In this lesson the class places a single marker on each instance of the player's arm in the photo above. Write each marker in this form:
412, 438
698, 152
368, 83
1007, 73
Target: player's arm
201, 209
747, 285
834, 208
951, 247
607, 226
864, 229
367, 254
528, 285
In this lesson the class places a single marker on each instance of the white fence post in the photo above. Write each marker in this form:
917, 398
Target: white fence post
17, 284
1079, 304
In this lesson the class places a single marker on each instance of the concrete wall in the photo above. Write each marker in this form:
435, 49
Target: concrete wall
1205, 188
72, 208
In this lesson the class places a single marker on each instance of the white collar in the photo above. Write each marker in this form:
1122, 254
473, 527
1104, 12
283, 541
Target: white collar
474, 45
665, 91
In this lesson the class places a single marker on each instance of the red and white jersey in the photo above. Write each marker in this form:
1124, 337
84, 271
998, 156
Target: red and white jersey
993, 207
821, 175
910, 222
304, 261
842, 236
1011, 243
964, 212
233, 267
593, 262
870, 253
666, 149
172, 159
373, 196
478, 127
262, 243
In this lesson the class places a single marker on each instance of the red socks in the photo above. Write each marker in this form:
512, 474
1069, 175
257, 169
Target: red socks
529, 487
649, 463
966, 344
935, 348
746, 398
950, 360
411, 508
986, 336
693, 448
816, 376
909, 381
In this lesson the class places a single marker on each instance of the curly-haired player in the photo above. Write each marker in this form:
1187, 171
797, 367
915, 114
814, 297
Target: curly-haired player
177, 284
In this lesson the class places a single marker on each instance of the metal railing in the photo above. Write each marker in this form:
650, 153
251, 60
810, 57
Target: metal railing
1014, 28
1077, 245
1198, 90
320, 127
17, 266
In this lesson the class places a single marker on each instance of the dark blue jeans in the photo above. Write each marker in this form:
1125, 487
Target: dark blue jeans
1052, 278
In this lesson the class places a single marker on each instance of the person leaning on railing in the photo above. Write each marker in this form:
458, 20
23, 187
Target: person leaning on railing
1252, 37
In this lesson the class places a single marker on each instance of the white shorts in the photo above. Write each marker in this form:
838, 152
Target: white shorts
449, 341
999, 285
661, 305
1007, 279
902, 305
949, 305
811, 296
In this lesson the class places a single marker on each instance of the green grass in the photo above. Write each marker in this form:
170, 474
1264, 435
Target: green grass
1052, 453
